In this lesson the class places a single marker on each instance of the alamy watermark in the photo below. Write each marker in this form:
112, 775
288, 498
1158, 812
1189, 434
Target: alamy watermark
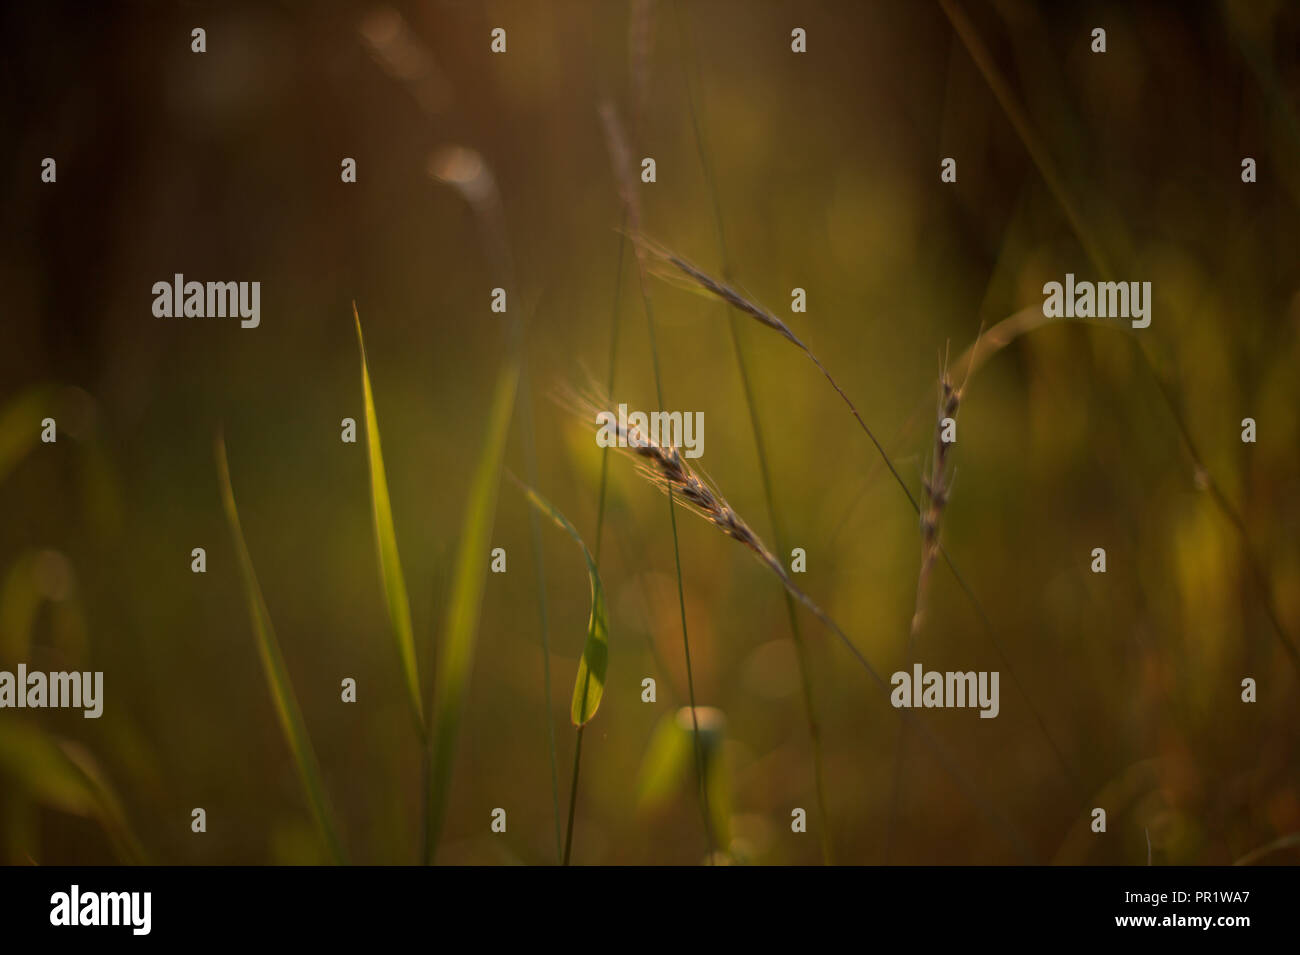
74, 907
1130, 300
181, 299
931, 688
59, 690
668, 429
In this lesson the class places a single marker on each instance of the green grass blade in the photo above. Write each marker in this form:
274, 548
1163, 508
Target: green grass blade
543, 616
390, 565
456, 655
664, 765
667, 759
590, 684
277, 677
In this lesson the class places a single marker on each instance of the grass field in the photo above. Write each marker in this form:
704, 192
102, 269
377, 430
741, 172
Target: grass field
566, 653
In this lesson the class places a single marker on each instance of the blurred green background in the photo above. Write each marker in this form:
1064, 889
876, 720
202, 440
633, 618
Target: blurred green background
225, 166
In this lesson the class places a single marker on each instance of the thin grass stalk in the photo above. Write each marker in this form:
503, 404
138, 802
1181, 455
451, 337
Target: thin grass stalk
728, 294
620, 156
592, 668
600, 528
535, 533
609, 386
1024, 129
792, 613
640, 42
681, 602
765, 475
573, 783
573, 794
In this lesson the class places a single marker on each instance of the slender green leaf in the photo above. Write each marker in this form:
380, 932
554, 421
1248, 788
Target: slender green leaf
590, 684
277, 677
456, 655
390, 566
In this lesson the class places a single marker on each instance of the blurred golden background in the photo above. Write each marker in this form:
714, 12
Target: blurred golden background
823, 169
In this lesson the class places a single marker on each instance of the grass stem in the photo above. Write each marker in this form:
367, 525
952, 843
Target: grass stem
573, 794
801, 651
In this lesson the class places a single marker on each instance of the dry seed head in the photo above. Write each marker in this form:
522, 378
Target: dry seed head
936, 486
720, 289
668, 470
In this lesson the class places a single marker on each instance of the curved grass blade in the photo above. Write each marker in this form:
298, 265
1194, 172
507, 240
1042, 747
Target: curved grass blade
1290, 841
64, 776
390, 565
668, 757
590, 684
277, 677
456, 655
664, 765
19, 425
